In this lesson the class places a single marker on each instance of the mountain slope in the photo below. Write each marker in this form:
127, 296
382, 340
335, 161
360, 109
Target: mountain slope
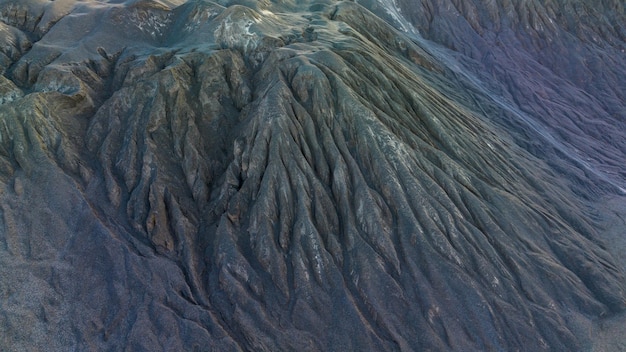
302, 176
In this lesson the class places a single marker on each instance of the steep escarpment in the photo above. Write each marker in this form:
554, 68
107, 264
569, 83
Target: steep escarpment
259, 176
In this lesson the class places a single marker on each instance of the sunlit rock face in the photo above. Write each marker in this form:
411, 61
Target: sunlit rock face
309, 176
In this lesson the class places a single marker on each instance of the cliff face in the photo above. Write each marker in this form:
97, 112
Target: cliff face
194, 175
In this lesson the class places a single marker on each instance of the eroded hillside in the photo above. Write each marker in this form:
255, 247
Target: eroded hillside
195, 175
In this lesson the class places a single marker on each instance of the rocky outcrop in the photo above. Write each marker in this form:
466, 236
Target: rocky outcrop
188, 175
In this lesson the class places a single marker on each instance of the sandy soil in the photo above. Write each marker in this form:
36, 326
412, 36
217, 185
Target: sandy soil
609, 335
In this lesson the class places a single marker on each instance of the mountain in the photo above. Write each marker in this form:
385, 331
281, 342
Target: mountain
425, 175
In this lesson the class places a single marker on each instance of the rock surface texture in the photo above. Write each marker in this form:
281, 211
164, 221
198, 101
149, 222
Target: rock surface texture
410, 175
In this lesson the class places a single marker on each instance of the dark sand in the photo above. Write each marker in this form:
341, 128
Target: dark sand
609, 334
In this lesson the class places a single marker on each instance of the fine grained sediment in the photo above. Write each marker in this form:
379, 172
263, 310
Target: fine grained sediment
191, 175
